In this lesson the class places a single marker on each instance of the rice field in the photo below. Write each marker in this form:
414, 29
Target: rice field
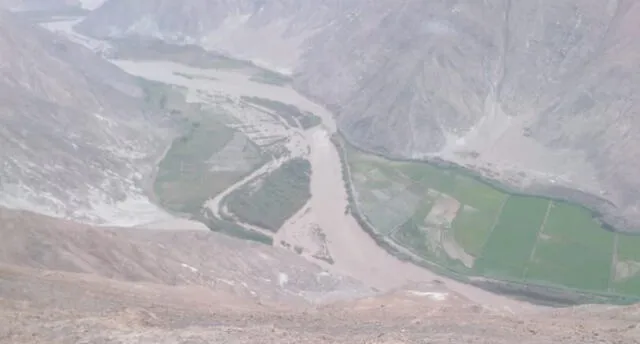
513, 238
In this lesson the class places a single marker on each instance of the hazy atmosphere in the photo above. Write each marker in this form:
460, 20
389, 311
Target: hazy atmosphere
326, 171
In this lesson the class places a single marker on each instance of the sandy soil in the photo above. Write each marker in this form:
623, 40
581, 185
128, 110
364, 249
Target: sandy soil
444, 211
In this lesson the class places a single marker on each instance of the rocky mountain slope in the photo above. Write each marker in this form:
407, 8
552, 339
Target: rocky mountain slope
61, 281
38, 5
77, 137
542, 96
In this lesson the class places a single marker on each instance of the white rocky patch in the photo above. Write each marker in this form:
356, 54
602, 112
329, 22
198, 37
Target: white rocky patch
283, 279
432, 295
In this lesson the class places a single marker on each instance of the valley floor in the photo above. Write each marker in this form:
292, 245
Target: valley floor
247, 125
469, 227
322, 229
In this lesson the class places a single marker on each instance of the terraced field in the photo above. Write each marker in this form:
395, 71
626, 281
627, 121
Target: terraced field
448, 217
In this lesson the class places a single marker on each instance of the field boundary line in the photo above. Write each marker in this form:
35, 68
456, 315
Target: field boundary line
614, 261
396, 229
543, 225
493, 227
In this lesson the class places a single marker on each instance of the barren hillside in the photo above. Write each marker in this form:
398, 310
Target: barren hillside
542, 96
77, 137
196, 258
61, 281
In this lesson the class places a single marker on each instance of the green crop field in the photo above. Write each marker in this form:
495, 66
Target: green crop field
270, 200
427, 208
512, 240
472, 227
476, 219
574, 250
382, 183
627, 271
185, 178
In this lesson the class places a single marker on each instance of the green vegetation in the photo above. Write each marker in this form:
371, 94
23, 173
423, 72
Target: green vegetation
627, 270
205, 159
471, 228
270, 200
271, 78
289, 113
164, 97
510, 245
416, 240
475, 220
574, 250
554, 247
190, 172
185, 180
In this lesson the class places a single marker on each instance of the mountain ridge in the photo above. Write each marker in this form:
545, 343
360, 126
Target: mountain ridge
522, 100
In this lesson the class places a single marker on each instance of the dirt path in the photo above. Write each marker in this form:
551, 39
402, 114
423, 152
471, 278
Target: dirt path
614, 262
540, 236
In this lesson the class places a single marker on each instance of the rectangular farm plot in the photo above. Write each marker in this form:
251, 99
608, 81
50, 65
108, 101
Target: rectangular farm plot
385, 197
573, 250
472, 227
511, 242
428, 233
389, 213
476, 218
204, 161
388, 216
626, 277
438, 179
